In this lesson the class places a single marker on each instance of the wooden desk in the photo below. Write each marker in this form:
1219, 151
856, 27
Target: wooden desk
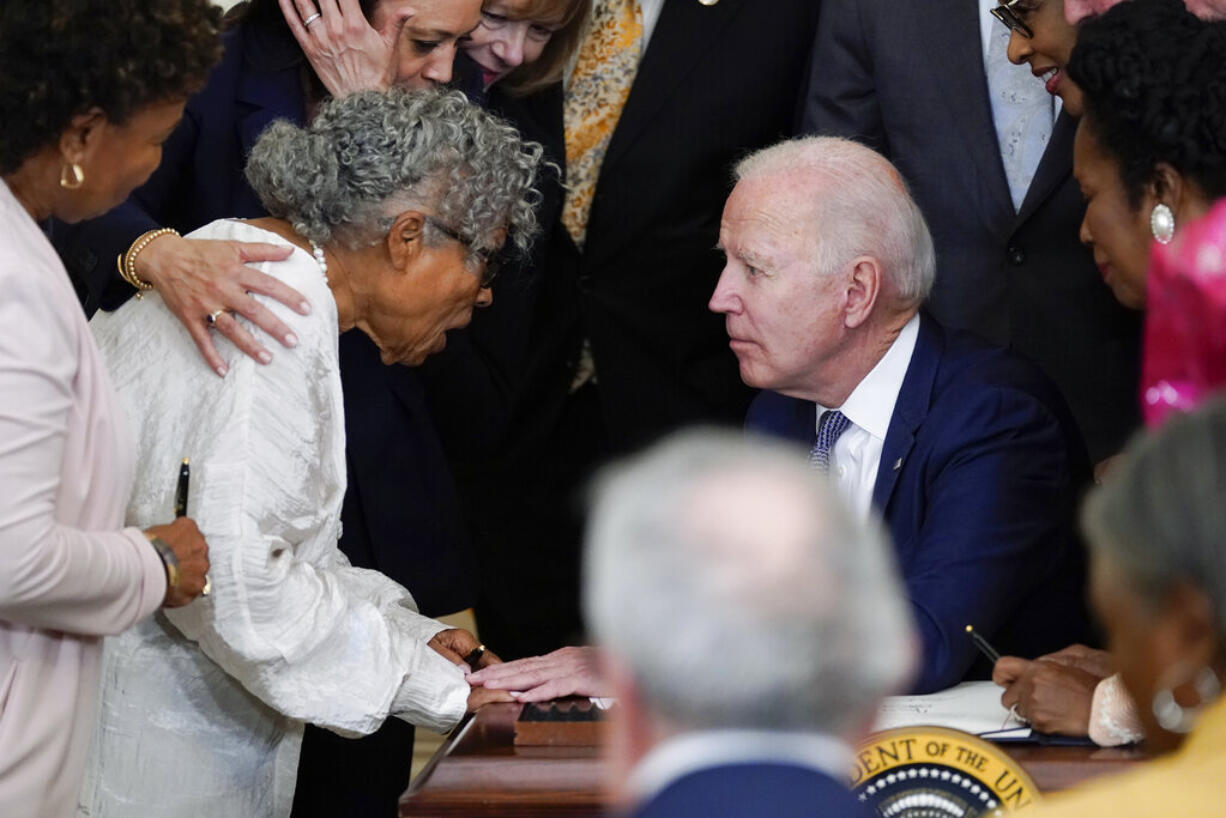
479, 772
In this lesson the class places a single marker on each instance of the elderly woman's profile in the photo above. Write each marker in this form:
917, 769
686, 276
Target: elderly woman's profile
396, 205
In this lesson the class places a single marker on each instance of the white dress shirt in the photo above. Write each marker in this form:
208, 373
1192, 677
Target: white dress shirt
688, 753
856, 457
202, 706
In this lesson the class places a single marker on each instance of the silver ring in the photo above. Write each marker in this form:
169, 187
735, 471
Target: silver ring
208, 586
211, 318
311, 19
1014, 712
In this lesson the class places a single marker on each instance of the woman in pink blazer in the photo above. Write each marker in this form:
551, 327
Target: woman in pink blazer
89, 90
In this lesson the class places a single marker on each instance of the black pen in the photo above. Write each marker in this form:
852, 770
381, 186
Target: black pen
185, 475
984, 646
474, 656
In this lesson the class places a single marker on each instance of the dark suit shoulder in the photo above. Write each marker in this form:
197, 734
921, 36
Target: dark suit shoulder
735, 790
971, 367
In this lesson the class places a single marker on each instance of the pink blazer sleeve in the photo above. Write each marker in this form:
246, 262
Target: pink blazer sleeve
65, 563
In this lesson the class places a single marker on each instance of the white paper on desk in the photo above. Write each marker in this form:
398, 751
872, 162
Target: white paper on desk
973, 707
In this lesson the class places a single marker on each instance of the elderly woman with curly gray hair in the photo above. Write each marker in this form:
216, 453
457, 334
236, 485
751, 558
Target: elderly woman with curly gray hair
395, 206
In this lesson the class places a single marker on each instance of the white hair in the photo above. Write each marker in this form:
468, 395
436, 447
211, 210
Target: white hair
861, 207
739, 592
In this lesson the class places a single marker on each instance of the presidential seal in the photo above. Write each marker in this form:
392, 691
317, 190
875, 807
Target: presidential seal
932, 772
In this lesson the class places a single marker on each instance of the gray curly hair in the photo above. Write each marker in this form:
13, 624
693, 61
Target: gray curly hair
370, 156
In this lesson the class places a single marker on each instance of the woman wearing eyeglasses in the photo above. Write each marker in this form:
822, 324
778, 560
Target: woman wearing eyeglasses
387, 206
1045, 31
1042, 37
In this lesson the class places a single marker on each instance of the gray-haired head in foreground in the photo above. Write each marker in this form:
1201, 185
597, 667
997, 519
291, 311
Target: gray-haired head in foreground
368, 157
862, 207
1160, 516
739, 592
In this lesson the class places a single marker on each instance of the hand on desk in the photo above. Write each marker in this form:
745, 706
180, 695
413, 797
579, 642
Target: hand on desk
1054, 692
454, 644
572, 671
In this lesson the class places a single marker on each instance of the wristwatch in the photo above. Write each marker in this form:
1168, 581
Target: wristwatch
169, 560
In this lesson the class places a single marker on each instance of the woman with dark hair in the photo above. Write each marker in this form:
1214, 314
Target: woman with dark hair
1150, 155
89, 91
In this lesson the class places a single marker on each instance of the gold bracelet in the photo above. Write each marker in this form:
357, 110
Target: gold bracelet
126, 262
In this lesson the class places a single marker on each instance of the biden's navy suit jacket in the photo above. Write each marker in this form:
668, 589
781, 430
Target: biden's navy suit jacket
980, 476
752, 790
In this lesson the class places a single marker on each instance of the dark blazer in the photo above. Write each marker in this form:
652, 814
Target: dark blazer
753, 790
978, 484
400, 514
715, 83
908, 79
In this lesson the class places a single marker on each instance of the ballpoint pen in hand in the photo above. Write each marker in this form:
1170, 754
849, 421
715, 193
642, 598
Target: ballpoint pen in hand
185, 476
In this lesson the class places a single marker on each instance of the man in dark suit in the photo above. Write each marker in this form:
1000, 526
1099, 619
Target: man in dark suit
966, 449
909, 80
750, 625
712, 82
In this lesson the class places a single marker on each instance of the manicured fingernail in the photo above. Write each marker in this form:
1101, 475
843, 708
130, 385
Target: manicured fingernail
222, 370
304, 308
265, 356
291, 340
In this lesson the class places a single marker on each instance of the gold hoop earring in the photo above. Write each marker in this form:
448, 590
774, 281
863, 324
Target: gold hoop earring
71, 176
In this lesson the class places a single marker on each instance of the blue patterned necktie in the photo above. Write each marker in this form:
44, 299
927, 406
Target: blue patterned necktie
831, 426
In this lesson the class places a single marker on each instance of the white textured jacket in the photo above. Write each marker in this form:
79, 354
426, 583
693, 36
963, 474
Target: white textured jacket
202, 706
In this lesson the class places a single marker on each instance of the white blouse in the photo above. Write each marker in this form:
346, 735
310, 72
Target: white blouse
202, 707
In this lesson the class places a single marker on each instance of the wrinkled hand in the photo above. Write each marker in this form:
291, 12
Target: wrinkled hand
196, 277
456, 643
347, 53
1053, 697
480, 696
1096, 662
185, 539
573, 671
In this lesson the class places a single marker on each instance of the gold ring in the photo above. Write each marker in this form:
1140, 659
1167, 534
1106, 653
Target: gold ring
208, 586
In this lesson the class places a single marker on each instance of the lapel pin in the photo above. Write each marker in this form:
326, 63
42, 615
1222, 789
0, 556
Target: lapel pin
898, 464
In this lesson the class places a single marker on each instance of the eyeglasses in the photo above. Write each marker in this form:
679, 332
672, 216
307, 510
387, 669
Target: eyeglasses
1008, 14
490, 259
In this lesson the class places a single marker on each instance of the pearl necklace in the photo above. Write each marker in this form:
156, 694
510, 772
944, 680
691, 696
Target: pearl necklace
318, 252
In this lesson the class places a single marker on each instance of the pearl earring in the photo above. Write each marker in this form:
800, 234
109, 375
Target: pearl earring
1162, 224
